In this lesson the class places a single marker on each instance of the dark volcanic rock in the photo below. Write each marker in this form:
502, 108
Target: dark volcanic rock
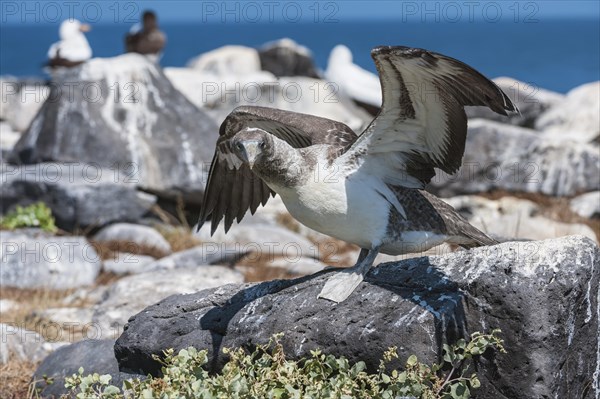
95, 356
287, 58
123, 113
543, 295
79, 195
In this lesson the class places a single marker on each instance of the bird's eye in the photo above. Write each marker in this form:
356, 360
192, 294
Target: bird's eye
262, 145
239, 146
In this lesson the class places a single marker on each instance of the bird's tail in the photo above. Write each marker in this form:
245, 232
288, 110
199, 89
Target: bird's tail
480, 239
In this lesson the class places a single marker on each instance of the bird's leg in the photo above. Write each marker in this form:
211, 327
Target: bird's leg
342, 284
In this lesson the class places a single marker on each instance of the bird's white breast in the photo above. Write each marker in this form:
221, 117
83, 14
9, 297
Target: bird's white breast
345, 206
73, 49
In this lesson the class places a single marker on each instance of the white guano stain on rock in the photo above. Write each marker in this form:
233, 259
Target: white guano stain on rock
589, 289
596, 375
408, 318
570, 325
368, 329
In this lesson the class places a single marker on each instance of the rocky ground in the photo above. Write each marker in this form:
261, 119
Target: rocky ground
123, 174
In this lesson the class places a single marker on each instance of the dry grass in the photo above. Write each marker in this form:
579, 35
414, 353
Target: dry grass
107, 278
180, 238
337, 253
31, 302
110, 249
15, 376
257, 268
15, 379
286, 220
332, 252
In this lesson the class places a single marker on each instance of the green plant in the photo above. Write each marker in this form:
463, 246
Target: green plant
267, 373
34, 215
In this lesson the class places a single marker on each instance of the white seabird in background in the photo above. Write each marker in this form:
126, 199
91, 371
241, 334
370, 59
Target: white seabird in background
73, 48
356, 82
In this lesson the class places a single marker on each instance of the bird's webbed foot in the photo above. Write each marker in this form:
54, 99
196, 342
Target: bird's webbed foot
339, 286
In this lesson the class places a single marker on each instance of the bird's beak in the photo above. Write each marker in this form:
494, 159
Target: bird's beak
251, 152
85, 28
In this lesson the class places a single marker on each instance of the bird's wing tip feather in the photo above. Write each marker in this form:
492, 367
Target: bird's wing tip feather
377, 50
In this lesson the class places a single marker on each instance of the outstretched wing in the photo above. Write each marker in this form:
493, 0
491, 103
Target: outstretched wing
422, 124
232, 188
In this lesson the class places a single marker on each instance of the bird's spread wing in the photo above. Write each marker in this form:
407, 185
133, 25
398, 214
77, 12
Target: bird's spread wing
422, 123
232, 188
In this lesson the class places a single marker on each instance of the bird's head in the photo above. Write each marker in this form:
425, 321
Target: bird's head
72, 28
149, 20
252, 146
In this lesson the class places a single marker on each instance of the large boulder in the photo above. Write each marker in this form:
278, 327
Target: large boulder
227, 75
219, 94
20, 101
575, 116
587, 205
8, 139
510, 218
127, 263
227, 61
531, 101
504, 157
31, 258
79, 195
24, 345
214, 90
95, 356
261, 239
131, 294
123, 113
543, 295
70, 317
285, 57
209, 253
137, 236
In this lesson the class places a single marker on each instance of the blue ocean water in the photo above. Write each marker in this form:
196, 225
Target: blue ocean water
552, 54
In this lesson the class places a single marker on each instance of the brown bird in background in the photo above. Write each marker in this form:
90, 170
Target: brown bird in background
147, 40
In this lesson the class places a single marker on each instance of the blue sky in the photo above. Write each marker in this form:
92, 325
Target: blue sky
271, 11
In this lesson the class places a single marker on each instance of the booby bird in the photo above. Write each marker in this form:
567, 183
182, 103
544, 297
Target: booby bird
73, 48
147, 39
364, 189
358, 83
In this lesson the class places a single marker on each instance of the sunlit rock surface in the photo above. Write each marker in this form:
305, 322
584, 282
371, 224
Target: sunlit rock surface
123, 113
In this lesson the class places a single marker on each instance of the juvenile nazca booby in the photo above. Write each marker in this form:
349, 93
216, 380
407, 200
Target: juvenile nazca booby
363, 189
73, 48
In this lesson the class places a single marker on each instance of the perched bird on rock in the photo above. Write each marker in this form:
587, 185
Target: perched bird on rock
73, 48
365, 189
149, 40
359, 84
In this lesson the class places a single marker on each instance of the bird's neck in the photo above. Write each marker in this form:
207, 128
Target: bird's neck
285, 167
